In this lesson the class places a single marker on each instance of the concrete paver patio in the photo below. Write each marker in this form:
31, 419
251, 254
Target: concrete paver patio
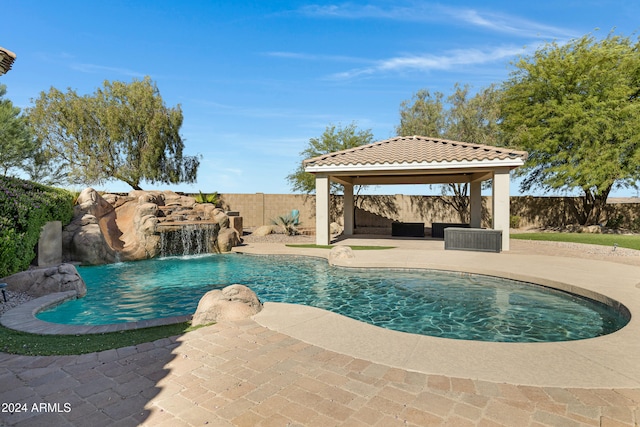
293, 365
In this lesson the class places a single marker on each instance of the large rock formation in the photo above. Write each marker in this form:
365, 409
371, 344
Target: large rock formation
235, 302
43, 281
113, 228
83, 239
227, 239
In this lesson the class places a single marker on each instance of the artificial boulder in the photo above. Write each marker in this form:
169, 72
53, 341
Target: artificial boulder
227, 239
83, 239
109, 228
90, 201
341, 255
220, 217
235, 302
595, 229
43, 281
263, 230
86, 243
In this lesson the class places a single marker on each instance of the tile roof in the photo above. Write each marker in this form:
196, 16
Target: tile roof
6, 60
414, 149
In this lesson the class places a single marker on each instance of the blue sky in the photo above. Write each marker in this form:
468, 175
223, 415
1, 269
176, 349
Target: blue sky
257, 79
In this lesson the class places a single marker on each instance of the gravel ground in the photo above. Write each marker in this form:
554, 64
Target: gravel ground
14, 299
279, 238
577, 250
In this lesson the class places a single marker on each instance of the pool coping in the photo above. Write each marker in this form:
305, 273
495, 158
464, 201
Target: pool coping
611, 361
23, 318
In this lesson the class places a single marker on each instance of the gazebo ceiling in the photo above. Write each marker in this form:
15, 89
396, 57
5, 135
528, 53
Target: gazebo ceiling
416, 155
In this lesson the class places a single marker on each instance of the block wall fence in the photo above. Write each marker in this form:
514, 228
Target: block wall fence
379, 211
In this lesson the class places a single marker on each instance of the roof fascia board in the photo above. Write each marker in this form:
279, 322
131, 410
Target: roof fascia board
512, 163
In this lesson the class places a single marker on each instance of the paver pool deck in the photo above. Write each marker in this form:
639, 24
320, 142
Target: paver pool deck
295, 365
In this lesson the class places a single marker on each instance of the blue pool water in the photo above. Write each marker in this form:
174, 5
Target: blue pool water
442, 304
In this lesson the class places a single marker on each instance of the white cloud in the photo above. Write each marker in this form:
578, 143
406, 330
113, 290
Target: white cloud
356, 11
233, 171
315, 57
428, 62
429, 12
258, 112
514, 25
93, 68
409, 11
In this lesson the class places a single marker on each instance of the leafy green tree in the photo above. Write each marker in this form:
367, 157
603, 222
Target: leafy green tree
474, 118
334, 138
16, 142
19, 149
460, 117
123, 131
575, 109
43, 169
423, 115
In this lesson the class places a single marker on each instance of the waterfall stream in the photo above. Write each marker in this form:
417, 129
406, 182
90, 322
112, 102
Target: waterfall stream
189, 239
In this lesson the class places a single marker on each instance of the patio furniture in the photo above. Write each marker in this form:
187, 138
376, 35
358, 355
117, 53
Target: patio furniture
407, 229
437, 228
473, 239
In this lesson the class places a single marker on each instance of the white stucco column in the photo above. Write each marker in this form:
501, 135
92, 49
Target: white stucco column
501, 209
323, 236
348, 213
475, 204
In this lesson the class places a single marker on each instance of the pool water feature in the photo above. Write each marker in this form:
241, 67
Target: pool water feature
188, 238
427, 302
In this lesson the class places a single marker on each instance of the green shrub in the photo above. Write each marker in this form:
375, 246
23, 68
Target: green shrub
615, 223
8, 247
213, 198
75, 195
514, 221
288, 223
25, 207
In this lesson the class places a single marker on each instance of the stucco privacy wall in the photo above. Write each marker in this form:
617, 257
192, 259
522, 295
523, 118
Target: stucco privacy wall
259, 209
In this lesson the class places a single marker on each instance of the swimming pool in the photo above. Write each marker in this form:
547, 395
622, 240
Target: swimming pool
436, 303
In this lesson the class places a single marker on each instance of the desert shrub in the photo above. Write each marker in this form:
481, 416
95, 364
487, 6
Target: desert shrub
514, 221
213, 198
25, 207
288, 223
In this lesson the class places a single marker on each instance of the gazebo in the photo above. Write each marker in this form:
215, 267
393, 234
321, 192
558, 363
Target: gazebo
416, 160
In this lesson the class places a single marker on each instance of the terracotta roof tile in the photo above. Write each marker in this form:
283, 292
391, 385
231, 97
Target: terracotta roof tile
414, 149
6, 60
